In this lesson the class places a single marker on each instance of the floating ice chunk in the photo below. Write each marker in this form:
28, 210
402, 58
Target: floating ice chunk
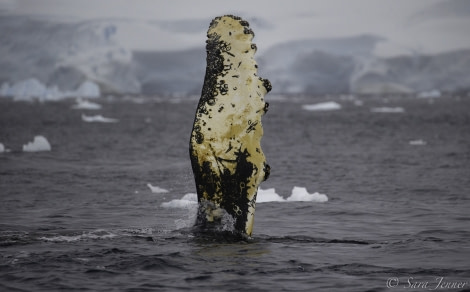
98, 119
156, 189
3, 149
40, 143
188, 201
429, 94
85, 104
323, 106
268, 195
387, 110
300, 194
418, 142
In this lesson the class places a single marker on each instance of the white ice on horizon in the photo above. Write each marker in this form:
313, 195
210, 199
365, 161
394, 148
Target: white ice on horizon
2, 148
32, 89
98, 119
85, 104
156, 189
387, 110
430, 94
40, 143
323, 106
298, 194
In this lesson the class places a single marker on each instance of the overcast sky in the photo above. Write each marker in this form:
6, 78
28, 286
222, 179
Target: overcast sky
428, 26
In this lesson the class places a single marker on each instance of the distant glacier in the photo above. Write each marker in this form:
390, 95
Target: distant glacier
55, 59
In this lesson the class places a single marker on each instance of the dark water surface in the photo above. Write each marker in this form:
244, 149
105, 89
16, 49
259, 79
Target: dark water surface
81, 217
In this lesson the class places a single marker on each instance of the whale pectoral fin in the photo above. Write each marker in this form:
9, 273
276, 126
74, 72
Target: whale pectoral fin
226, 156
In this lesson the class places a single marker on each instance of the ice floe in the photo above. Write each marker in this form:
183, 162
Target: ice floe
298, 194
187, 201
323, 106
268, 195
98, 119
418, 142
87, 105
393, 110
40, 143
157, 189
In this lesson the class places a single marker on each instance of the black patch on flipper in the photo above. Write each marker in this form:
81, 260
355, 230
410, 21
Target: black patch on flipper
267, 85
234, 188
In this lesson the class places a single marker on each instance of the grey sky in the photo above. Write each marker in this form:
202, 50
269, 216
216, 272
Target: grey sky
427, 26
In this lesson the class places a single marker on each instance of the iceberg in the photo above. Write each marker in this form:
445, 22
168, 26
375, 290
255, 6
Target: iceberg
156, 189
32, 89
268, 195
2, 148
85, 104
418, 142
323, 106
40, 143
300, 194
393, 110
88, 89
98, 119
188, 201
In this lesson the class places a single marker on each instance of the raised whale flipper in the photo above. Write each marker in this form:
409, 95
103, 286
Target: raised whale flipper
225, 151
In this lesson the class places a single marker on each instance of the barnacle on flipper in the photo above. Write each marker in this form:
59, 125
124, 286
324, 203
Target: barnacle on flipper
225, 151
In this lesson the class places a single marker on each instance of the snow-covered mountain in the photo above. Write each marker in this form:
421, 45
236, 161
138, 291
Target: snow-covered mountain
66, 54
348, 65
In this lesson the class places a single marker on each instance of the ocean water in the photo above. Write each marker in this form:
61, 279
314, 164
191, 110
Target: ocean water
81, 216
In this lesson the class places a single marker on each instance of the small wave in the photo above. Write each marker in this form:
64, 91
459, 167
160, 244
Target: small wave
96, 234
308, 239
